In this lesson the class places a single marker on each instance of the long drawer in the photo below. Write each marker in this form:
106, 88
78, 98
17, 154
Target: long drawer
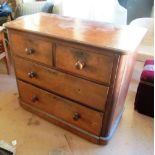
87, 64
71, 112
86, 92
32, 47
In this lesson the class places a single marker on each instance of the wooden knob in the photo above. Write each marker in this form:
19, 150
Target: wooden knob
29, 51
34, 98
32, 74
76, 116
79, 65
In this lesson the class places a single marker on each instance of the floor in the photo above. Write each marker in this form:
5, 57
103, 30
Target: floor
36, 136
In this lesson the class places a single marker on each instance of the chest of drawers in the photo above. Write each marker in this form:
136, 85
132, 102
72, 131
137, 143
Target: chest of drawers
74, 73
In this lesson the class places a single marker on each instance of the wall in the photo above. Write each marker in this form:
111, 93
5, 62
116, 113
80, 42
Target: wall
135, 8
139, 9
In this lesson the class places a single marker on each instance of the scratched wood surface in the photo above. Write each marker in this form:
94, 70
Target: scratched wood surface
41, 47
123, 39
95, 66
62, 84
134, 135
61, 108
74, 86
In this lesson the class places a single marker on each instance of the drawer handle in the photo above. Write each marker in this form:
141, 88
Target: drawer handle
29, 51
79, 65
32, 74
34, 98
76, 116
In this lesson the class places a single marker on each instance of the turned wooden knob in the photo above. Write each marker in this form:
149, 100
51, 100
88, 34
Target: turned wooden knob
32, 74
29, 51
34, 98
76, 116
79, 65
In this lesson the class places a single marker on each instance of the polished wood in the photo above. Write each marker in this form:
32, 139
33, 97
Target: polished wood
81, 80
86, 92
123, 86
122, 39
62, 108
112, 96
91, 65
33, 47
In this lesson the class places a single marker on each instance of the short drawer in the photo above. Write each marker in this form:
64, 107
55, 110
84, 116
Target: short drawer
83, 91
32, 47
71, 112
91, 65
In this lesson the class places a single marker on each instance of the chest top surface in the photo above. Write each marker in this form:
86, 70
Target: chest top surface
122, 39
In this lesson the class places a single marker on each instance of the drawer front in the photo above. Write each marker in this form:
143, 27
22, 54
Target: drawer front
32, 47
91, 65
71, 112
86, 92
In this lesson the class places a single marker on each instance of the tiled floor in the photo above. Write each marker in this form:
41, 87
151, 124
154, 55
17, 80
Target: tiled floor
36, 136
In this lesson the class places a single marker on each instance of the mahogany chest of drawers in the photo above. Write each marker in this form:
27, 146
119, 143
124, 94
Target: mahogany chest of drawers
74, 73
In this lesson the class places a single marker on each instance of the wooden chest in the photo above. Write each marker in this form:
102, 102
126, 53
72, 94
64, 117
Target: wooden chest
74, 73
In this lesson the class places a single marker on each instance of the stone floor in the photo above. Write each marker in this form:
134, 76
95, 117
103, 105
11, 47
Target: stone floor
36, 136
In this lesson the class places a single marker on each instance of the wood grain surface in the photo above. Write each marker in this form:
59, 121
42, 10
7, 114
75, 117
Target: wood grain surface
61, 108
75, 73
86, 92
95, 66
41, 47
122, 39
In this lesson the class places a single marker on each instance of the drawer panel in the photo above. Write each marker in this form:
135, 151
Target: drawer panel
91, 65
86, 92
32, 47
71, 112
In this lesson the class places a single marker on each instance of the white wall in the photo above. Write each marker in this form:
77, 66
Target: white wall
98, 10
